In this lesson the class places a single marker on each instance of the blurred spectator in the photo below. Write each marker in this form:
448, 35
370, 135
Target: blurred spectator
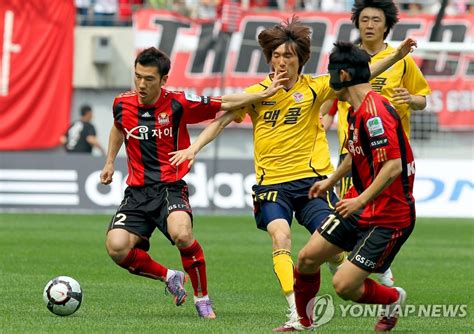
336, 5
126, 9
202, 9
229, 12
105, 12
81, 135
160, 4
82, 11
181, 7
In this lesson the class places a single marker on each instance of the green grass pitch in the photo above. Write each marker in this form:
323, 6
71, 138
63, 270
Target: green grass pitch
434, 266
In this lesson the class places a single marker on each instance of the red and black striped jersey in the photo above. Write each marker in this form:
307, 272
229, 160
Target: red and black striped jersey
375, 136
153, 131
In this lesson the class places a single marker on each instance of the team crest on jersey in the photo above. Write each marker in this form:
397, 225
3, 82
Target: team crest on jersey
192, 97
298, 97
375, 127
163, 118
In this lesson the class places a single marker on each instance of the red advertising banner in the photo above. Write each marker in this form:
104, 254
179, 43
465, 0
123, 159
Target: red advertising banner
209, 61
36, 55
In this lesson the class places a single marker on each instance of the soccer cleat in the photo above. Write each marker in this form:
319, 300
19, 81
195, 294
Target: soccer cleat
292, 314
294, 326
204, 309
175, 286
389, 317
386, 278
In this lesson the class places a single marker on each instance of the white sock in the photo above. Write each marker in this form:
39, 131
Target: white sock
170, 273
290, 298
198, 299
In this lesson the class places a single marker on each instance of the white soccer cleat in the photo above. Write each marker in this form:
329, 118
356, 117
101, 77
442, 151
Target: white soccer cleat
292, 314
386, 278
294, 326
389, 317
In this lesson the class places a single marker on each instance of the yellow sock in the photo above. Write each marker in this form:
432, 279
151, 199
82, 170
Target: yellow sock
283, 268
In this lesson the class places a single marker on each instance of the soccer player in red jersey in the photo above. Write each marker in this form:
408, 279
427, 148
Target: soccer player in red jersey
151, 121
373, 222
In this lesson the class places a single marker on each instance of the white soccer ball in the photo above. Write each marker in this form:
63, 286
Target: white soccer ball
62, 295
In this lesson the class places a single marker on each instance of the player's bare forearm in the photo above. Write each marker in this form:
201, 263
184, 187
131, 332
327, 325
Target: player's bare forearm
390, 170
115, 142
403, 49
235, 101
207, 135
342, 169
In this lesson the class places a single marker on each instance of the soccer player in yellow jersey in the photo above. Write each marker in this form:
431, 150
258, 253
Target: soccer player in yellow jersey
402, 84
290, 147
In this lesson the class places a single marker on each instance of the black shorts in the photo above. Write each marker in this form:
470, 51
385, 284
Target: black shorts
145, 208
372, 249
279, 201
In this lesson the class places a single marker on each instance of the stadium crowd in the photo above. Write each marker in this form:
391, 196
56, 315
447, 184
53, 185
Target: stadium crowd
119, 12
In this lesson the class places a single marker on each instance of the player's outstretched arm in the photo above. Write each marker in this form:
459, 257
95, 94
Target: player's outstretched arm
390, 170
320, 188
236, 101
403, 49
115, 142
207, 135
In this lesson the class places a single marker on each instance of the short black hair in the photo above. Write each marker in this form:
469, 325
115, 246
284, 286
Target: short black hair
351, 57
154, 57
85, 108
388, 7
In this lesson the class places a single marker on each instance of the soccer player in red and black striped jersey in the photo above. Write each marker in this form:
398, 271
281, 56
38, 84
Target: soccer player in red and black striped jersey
151, 121
374, 221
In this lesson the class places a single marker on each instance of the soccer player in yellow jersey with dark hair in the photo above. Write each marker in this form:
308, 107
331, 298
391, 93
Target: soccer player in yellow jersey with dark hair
290, 147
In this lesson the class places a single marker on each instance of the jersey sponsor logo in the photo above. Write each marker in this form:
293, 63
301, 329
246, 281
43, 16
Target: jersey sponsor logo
292, 116
366, 262
268, 103
354, 149
379, 142
142, 132
192, 97
298, 97
375, 127
271, 116
163, 118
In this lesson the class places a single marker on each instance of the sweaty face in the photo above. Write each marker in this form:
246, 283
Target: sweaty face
284, 58
148, 83
372, 25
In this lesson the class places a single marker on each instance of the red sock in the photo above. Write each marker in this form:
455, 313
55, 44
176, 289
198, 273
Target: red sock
306, 287
138, 262
194, 264
375, 293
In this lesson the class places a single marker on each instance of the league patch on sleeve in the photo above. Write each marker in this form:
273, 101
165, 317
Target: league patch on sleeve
192, 97
375, 127
379, 142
